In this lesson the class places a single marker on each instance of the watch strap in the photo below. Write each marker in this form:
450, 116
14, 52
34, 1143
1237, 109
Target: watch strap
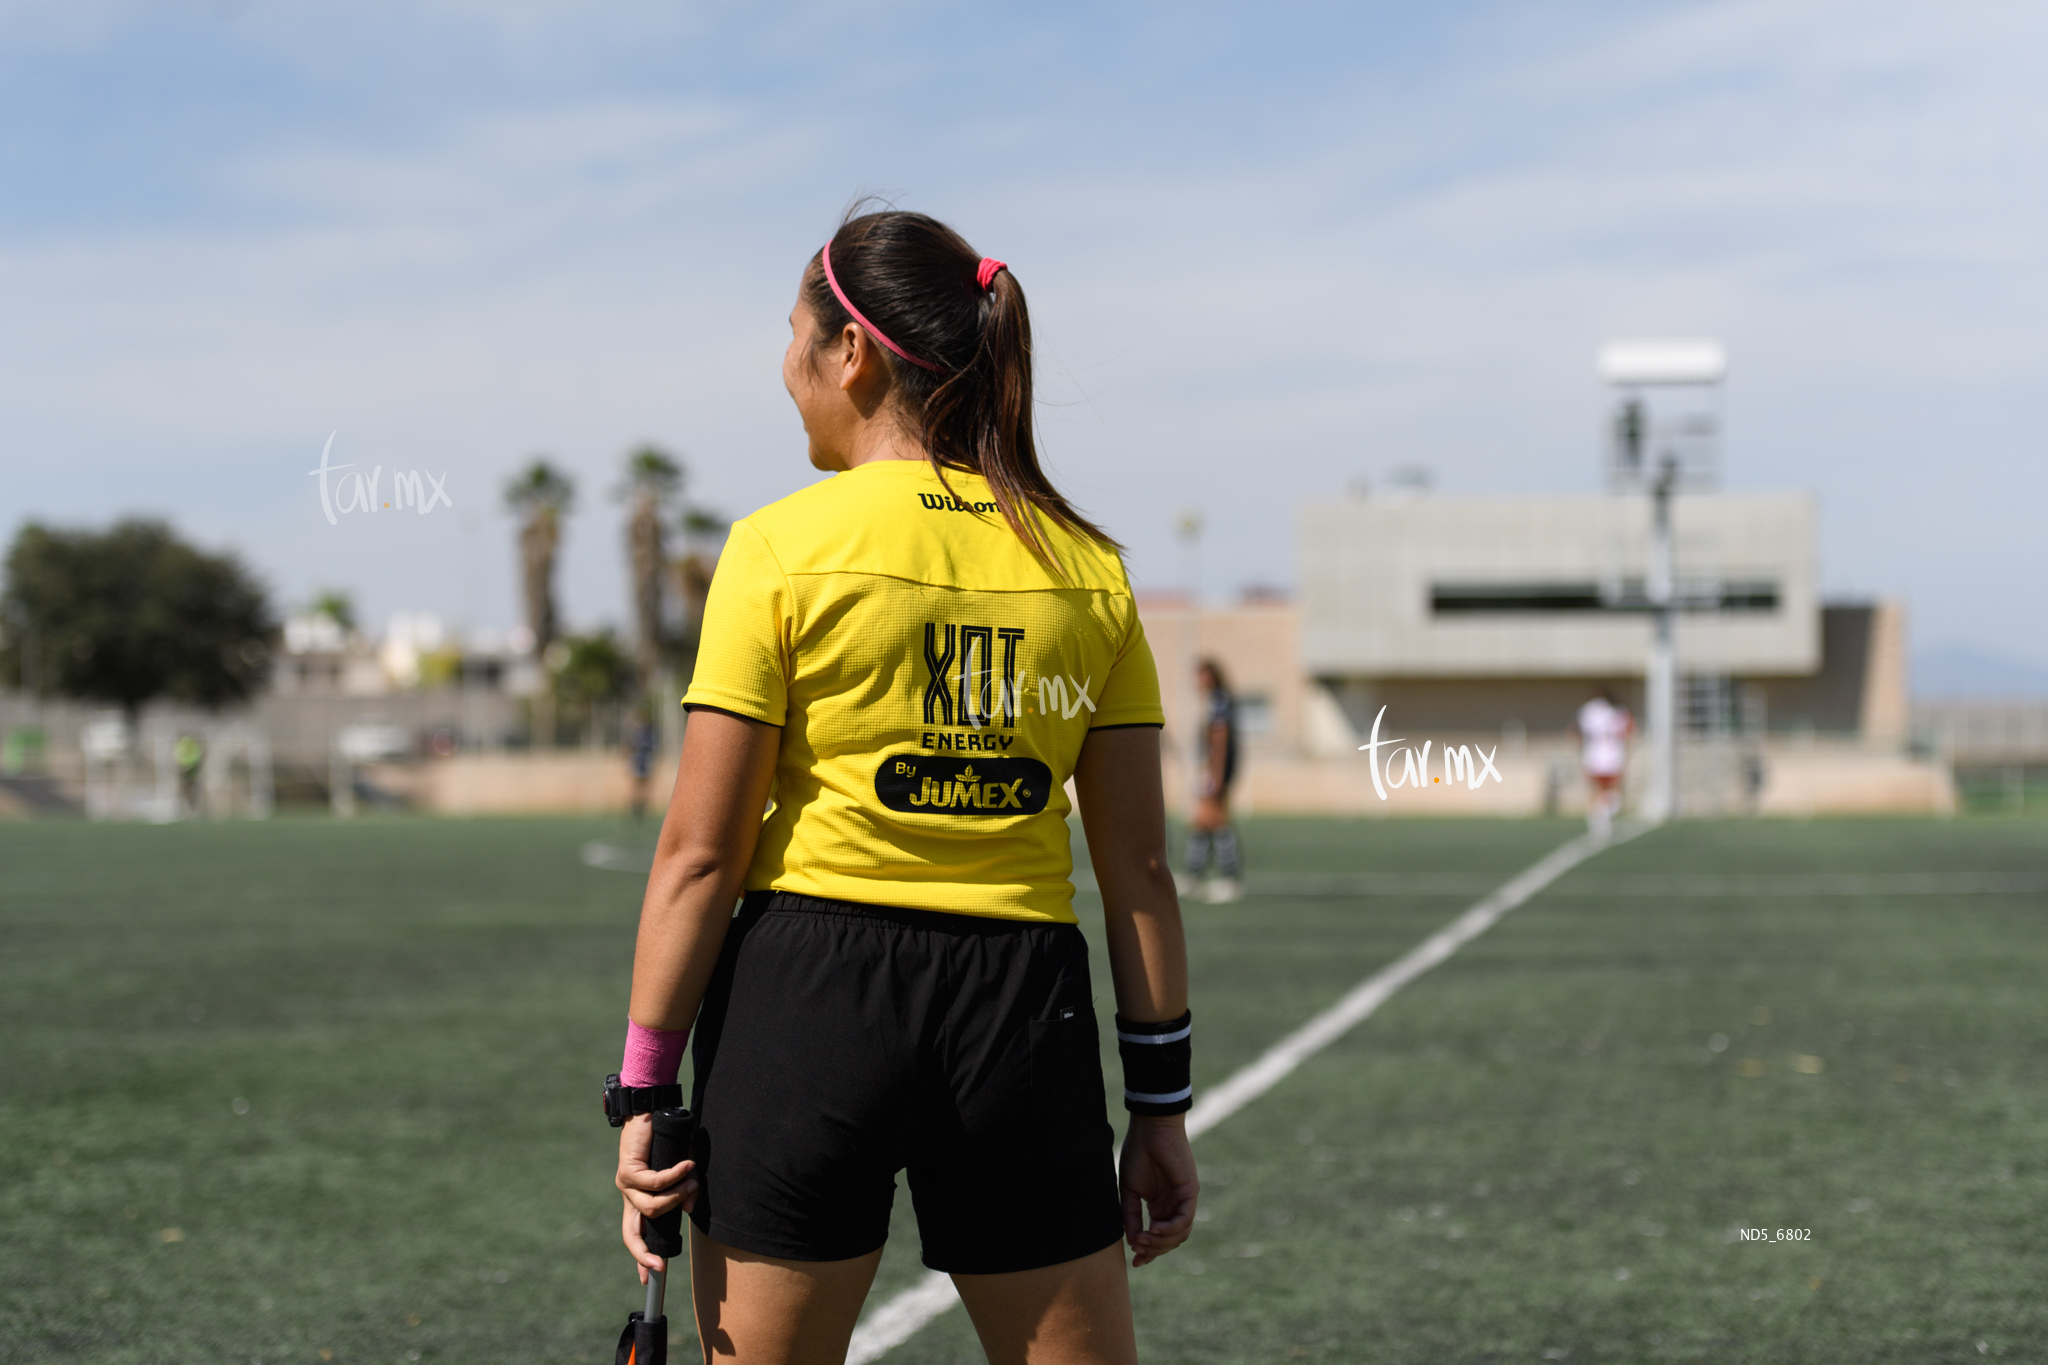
622, 1102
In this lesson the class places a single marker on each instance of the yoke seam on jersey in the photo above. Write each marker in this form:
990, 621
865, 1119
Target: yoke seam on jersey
788, 661
926, 583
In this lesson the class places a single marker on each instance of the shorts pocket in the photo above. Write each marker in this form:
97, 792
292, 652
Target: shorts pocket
1067, 1103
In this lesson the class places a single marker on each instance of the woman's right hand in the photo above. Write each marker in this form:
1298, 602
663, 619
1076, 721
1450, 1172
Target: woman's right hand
648, 1193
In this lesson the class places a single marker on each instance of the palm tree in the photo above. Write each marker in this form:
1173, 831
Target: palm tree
653, 479
540, 496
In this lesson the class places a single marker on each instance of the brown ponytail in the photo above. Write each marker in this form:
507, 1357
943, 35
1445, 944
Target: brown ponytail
913, 278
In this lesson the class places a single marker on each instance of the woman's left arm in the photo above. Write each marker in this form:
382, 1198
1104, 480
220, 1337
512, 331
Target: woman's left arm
1123, 810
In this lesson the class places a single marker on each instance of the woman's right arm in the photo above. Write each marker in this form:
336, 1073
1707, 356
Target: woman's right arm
707, 842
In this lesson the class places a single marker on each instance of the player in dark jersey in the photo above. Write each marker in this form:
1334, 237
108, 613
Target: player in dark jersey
641, 743
1212, 831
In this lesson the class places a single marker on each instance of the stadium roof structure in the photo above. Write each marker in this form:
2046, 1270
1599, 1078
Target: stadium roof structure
1672, 360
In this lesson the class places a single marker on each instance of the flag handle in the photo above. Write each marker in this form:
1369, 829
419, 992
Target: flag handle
645, 1340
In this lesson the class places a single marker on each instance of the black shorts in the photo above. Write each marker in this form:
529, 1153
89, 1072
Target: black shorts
841, 1043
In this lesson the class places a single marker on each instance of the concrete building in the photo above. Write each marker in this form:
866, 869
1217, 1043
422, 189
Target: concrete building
1469, 613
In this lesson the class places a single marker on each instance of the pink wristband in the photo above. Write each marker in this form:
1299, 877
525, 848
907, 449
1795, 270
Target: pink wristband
653, 1055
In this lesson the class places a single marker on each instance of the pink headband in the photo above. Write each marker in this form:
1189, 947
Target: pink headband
872, 330
985, 273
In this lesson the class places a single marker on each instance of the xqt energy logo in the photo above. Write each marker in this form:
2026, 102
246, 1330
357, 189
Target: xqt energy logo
973, 680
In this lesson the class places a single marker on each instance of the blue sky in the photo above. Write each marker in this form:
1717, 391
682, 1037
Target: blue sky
1270, 250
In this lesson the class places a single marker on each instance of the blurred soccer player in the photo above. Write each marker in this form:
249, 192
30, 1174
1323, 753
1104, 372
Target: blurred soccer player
641, 742
1211, 831
1603, 726
188, 753
913, 657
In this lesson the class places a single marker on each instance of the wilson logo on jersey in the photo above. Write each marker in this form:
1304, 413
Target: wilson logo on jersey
938, 784
939, 502
961, 675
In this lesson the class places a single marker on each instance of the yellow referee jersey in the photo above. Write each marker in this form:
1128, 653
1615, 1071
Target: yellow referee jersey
933, 682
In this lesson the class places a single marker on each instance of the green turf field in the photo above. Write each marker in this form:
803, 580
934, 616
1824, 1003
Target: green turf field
353, 1067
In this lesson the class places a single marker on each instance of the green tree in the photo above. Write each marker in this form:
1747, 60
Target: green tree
590, 670
131, 614
594, 668
337, 606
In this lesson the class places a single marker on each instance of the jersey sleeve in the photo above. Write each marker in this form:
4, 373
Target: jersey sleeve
1131, 696
743, 650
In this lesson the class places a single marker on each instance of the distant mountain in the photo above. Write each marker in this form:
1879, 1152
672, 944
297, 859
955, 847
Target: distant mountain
1961, 671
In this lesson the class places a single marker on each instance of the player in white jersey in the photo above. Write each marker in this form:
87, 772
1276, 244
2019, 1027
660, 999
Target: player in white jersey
1603, 726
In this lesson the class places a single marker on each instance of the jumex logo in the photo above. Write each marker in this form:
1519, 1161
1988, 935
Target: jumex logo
968, 789
940, 784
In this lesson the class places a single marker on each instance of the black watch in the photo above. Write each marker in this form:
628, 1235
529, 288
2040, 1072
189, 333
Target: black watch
622, 1102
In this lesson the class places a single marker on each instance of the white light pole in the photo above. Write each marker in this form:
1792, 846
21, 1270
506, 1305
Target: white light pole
1689, 455
1660, 681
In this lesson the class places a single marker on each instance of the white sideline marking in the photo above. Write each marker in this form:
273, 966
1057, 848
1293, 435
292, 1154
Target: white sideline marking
612, 858
1640, 884
1220, 1102
900, 1318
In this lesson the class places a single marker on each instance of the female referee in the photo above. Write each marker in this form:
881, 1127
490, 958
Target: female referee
904, 664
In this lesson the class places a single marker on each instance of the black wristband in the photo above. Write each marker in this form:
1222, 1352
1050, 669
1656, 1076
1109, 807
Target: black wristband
1158, 1061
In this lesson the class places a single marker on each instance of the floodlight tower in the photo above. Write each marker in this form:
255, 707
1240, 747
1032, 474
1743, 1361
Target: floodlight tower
1661, 447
